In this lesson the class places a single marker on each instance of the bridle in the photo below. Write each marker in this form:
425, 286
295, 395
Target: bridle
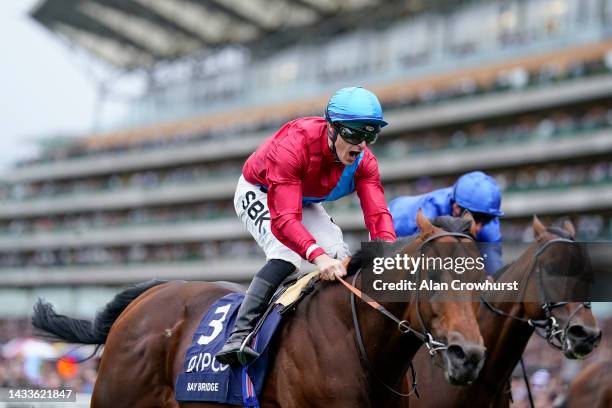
547, 328
425, 336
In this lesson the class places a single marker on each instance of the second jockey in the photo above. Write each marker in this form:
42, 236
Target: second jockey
278, 198
476, 192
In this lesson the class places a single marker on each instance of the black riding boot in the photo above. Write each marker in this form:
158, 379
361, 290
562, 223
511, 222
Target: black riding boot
252, 308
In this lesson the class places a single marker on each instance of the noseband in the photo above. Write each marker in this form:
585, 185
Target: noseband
433, 346
548, 328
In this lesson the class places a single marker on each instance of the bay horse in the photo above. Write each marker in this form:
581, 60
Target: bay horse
592, 387
506, 327
315, 362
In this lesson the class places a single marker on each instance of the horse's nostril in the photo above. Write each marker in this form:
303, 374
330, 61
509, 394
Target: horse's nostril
579, 332
455, 352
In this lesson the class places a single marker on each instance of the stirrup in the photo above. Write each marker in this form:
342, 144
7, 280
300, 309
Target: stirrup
238, 356
246, 355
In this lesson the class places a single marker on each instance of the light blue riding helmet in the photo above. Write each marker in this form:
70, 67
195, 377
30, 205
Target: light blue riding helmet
355, 104
478, 192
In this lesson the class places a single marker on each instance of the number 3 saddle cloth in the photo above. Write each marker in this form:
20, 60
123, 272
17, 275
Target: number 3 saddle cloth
205, 379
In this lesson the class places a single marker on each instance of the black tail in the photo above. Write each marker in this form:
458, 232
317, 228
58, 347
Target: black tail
63, 328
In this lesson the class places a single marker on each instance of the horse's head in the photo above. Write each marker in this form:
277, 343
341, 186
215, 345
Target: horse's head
452, 322
568, 326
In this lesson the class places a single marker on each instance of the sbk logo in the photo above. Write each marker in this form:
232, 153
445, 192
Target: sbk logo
256, 210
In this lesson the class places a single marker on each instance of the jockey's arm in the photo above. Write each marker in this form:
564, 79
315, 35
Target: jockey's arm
404, 210
286, 214
491, 234
284, 176
369, 188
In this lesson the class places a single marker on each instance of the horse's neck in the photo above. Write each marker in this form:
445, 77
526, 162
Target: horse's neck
505, 340
505, 337
400, 348
389, 350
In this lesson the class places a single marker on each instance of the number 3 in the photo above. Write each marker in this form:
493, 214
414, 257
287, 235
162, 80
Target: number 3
216, 325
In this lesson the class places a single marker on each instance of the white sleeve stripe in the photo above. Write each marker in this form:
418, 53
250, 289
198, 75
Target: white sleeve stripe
310, 250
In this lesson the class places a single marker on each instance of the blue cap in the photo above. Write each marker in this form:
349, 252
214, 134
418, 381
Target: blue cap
478, 192
355, 104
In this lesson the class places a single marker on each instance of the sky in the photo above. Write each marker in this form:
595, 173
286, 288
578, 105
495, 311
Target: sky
44, 89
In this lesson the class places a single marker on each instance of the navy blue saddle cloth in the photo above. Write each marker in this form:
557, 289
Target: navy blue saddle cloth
205, 379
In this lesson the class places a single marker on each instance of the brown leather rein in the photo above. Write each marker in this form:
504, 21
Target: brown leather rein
433, 346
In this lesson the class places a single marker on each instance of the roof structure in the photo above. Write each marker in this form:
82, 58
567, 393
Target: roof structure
136, 34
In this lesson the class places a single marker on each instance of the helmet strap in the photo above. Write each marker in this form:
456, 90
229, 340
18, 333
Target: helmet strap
332, 135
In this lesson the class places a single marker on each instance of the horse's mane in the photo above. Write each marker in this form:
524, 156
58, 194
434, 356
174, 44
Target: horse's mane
452, 224
445, 222
557, 228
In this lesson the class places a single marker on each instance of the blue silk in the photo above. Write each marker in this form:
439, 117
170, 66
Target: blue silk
436, 203
345, 186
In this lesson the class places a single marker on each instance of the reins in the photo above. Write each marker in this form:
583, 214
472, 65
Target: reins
433, 346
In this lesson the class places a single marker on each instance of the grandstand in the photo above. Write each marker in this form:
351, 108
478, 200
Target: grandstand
518, 88
525, 97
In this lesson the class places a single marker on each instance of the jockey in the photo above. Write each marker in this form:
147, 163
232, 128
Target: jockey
475, 192
278, 198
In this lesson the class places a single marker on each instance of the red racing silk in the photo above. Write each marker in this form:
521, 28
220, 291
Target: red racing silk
297, 162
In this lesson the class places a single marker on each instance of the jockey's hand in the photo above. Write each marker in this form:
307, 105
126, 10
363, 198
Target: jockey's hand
329, 267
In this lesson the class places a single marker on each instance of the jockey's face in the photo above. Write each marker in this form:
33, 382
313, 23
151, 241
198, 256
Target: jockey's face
347, 153
477, 226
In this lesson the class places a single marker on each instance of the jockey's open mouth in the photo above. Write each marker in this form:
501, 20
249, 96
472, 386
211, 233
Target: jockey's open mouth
351, 155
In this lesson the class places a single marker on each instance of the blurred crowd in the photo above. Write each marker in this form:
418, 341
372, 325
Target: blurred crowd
590, 227
506, 80
533, 177
131, 254
514, 79
144, 180
550, 373
131, 217
524, 129
32, 371
543, 127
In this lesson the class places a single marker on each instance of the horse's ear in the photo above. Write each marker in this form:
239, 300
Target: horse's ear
468, 216
424, 224
569, 227
538, 227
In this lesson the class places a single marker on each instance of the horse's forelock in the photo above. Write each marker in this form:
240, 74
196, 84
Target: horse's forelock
452, 224
560, 232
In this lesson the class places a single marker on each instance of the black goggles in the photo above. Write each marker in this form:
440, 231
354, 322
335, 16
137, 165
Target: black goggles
368, 134
482, 218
